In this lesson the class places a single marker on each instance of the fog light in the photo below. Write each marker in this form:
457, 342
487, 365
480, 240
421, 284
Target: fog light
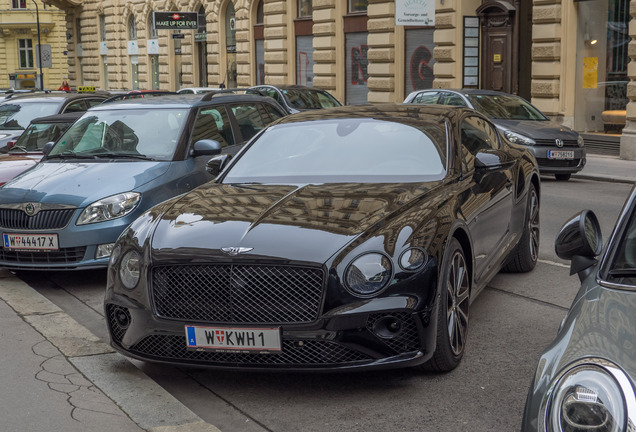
122, 317
387, 327
104, 250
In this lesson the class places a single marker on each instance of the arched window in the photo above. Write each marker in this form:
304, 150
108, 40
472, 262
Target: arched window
152, 31
132, 28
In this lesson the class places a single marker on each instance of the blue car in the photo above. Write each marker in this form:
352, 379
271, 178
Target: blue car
114, 163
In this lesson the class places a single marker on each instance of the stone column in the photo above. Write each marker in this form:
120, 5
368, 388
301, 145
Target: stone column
546, 56
628, 138
382, 51
325, 16
447, 54
276, 42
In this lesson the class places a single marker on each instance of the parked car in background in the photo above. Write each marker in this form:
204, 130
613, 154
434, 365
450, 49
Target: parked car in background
115, 162
136, 94
296, 98
198, 90
348, 238
28, 148
17, 112
559, 150
586, 378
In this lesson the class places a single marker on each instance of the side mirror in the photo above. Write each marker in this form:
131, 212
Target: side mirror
206, 147
580, 241
217, 163
46, 149
492, 159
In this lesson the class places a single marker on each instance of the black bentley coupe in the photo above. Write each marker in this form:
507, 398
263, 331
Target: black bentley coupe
339, 239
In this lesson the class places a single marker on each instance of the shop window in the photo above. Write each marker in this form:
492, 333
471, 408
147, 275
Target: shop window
259, 43
419, 59
25, 49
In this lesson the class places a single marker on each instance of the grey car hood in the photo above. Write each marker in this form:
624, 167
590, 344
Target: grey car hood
537, 129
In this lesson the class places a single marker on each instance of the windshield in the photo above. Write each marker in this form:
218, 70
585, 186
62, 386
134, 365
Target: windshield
19, 115
309, 99
345, 150
505, 107
146, 133
38, 134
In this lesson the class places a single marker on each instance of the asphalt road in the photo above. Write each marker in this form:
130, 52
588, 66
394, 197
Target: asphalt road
511, 322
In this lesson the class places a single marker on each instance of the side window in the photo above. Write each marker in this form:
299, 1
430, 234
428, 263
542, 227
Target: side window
250, 118
272, 112
477, 134
213, 123
77, 106
93, 102
428, 97
452, 99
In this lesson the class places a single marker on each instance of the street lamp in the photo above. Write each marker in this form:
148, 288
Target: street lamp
37, 17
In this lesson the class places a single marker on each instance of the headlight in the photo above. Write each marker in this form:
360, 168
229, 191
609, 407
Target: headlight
413, 259
581, 141
368, 274
129, 269
594, 396
516, 138
109, 208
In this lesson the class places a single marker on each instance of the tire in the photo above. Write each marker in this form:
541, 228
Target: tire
525, 255
563, 177
453, 308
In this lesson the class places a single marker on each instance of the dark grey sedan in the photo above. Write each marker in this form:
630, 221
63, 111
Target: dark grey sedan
585, 379
559, 150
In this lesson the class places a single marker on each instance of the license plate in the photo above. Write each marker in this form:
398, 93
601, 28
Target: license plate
560, 154
35, 242
233, 339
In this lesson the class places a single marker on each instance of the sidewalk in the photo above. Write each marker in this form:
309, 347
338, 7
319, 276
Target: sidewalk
58, 376
608, 168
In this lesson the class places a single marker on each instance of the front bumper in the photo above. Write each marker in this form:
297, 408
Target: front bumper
348, 340
549, 165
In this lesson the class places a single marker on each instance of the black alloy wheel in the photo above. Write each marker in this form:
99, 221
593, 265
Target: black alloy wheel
525, 255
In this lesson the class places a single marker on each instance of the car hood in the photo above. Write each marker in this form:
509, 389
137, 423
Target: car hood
13, 164
538, 129
307, 223
601, 324
79, 183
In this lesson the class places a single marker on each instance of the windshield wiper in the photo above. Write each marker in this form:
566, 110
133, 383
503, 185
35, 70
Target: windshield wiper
70, 155
123, 156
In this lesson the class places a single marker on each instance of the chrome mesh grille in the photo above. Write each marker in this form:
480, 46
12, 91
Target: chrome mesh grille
238, 293
552, 142
44, 219
311, 352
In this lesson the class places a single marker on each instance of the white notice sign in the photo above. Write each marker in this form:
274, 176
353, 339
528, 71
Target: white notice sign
415, 12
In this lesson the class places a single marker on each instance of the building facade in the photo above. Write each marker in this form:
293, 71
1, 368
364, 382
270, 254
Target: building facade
20, 68
570, 58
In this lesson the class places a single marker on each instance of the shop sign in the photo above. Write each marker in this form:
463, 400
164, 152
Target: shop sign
200, 37
414, 12
175, 20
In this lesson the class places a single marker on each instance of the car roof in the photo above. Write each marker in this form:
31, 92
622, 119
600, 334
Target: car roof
380, 111
289, 86
53, 97
178, 100
59, 118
